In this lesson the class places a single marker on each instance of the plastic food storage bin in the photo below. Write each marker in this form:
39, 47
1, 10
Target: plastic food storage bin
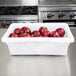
38, 45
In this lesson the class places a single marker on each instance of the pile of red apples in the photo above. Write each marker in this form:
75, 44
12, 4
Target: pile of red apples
42, 32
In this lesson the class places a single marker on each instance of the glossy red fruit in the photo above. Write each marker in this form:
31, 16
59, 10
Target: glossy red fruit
38, 36
23, 35
56, 34
61, 31
32, 35
28, 35
36, 33
26, 29
13, 35
51, 34
46, 33
22, 31
17, 31
44, 36
35, 36
42, 29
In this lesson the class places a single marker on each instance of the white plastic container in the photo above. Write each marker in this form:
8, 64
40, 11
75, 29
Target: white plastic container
38, 45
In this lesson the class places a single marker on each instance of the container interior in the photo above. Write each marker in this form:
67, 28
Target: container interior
36, 26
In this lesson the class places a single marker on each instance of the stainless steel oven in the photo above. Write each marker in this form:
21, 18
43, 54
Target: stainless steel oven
58, 14
16, 14
15, 11
58, 11
57, 3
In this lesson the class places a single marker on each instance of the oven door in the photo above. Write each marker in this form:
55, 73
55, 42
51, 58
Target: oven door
72, 23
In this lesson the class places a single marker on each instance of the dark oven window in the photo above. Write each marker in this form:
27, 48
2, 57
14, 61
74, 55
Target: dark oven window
72, 23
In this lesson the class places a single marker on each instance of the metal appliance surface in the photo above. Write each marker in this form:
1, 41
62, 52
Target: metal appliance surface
57, 2
16, 14
58, 14
37, 65
18, 2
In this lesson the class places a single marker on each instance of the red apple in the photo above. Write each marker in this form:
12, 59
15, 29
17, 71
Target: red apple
42, 29
32, 35
46, 33
38, 36
23, 35
36, 33
51, 34
22, 31
35, 36
44, 36
28, 35
56, 34
61, 31
13, 35
26, 29
17, 30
